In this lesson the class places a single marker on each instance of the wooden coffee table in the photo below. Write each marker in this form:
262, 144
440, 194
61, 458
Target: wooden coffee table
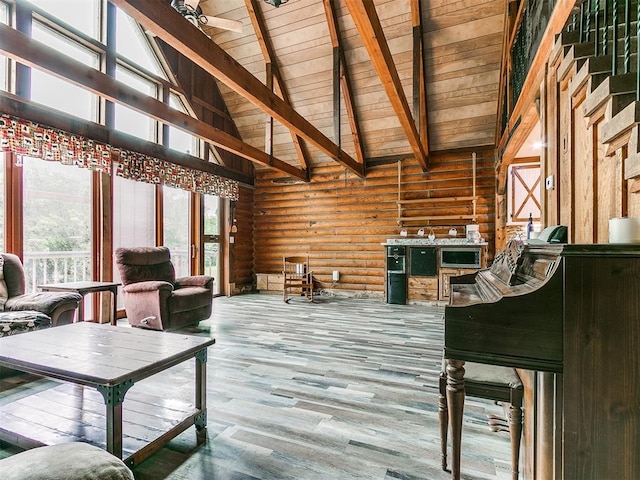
110, 359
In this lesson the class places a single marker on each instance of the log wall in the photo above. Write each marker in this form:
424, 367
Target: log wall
341, 220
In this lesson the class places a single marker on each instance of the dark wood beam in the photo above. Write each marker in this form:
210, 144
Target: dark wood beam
167, 24
37, 55
345, 79
262, 34
22, 108
368, 24
419, 83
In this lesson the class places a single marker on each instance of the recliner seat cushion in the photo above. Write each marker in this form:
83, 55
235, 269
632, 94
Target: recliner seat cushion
188, 298
44, 302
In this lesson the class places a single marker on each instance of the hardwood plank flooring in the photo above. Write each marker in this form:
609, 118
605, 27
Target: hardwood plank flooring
341, 388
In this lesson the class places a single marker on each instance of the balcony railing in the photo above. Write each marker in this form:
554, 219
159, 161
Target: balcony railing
56, 267
75, 266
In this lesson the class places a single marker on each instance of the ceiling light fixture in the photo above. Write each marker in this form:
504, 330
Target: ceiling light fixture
190, 9
276, 3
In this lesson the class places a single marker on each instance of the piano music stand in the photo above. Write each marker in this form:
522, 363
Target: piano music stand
491, 382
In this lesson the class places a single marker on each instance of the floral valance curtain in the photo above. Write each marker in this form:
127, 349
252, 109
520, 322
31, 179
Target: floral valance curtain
34, 140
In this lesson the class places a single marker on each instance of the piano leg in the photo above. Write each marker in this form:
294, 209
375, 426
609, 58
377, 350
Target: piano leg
443, 417
515, 433
455, 401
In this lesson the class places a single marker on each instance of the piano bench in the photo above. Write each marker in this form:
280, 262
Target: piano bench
501, 384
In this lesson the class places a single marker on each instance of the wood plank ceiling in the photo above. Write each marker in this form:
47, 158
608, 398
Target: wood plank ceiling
296, 49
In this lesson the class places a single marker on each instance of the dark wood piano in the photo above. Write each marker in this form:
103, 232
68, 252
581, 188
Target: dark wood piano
569, 317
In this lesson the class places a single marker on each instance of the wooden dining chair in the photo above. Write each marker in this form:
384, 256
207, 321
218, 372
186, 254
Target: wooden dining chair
297, 278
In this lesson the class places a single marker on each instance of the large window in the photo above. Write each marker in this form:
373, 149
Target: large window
134, 212
175, 209
212, 245
57, 222
83, 15
131, 44
55, 92
4, 63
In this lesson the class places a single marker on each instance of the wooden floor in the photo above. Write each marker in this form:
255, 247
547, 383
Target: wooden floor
336, 389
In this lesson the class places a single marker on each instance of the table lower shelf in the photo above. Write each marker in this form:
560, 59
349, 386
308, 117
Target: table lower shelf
47, 412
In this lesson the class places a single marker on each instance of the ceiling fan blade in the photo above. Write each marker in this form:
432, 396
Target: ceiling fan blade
192, 4
223, 23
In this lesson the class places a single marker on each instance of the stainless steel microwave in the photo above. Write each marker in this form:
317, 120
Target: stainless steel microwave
460, 257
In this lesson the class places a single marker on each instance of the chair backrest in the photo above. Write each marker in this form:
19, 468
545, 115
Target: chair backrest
142, 264
13, 274
295, 266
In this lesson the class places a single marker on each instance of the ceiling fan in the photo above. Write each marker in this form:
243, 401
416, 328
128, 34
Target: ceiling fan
191, 10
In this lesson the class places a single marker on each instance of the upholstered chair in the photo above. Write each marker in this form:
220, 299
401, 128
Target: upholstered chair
153, 297
59, 306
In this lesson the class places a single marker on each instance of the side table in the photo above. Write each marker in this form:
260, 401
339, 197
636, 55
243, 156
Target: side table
83, 288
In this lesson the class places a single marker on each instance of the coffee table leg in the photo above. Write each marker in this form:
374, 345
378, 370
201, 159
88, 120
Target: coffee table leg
114, 314
201, 396
113, 398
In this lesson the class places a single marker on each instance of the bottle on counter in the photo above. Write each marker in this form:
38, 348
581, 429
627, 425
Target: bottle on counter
529, 226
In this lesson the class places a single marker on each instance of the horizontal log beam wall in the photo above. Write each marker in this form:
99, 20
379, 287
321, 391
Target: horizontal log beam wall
340, 220
241, 263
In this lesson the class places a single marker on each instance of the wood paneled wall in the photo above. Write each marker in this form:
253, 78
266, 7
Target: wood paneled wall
241, 265
340, 220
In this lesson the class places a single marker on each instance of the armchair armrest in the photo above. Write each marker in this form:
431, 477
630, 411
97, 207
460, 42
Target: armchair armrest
195, 281
149, 286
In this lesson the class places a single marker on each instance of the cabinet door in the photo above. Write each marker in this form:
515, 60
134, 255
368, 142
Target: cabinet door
445, 275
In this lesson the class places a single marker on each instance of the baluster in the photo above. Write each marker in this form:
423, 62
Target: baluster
56, 270
587, 34
605, 29
582, 22
627, 36
596, 27
614, 40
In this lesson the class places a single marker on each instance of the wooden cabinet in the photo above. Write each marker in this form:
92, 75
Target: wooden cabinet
269, 282
445, 275
422, 288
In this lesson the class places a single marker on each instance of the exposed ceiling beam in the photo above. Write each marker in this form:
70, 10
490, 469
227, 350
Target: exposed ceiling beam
368, 24
167, 24
419, 83
345, 80
22, 108
34, 54
257, 19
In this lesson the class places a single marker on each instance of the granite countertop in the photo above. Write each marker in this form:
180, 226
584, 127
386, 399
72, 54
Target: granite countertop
437, 242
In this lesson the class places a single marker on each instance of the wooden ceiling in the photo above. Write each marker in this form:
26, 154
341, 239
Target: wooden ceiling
462, 43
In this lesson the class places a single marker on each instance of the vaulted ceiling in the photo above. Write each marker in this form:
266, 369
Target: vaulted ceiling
295, 50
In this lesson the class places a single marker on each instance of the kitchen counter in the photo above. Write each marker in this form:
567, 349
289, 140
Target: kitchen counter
459, 242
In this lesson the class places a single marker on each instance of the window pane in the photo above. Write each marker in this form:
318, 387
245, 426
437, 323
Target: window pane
3, 228
4, 63
132, 80
179, 139
127, 119
64, 45
133, 44
134, 215
83, 15
176, 227
212, 246
56, 93
57, 223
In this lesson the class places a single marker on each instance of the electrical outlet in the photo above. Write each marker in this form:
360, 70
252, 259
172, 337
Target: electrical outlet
549, 183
